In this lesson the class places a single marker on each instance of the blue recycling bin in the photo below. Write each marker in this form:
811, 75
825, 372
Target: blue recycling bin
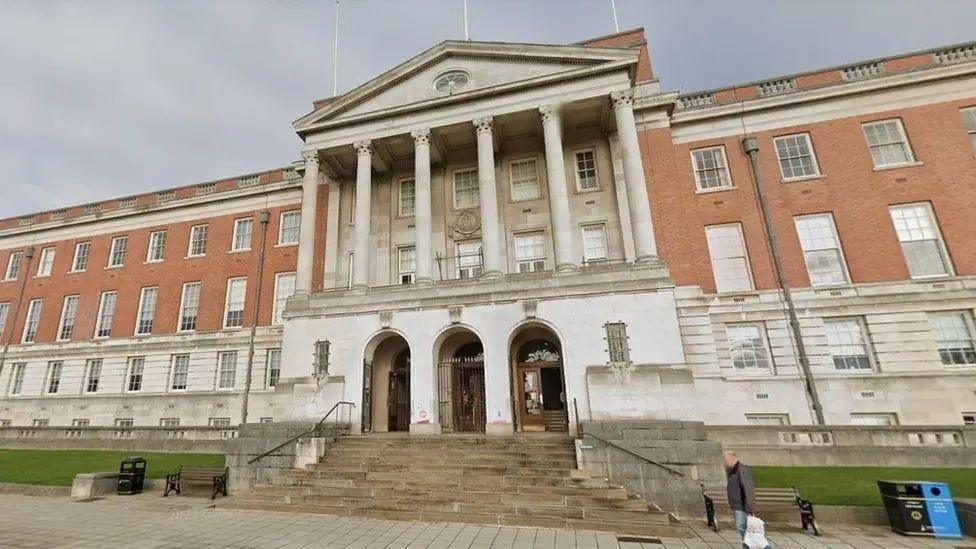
920, 508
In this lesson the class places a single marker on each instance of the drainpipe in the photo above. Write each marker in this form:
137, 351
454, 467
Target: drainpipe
750, 146
12, 320
265, 216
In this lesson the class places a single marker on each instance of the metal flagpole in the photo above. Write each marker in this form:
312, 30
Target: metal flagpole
616, 24
335, 54
466, 36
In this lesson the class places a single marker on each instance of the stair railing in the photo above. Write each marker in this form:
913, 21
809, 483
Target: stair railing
635, 454
317, 430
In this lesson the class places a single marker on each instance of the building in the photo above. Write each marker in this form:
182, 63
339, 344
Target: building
498, 237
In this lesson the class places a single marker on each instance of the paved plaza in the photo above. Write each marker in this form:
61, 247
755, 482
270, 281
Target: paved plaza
148, 521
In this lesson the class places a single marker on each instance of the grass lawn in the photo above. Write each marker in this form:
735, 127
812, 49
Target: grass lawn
59, 467
857, 485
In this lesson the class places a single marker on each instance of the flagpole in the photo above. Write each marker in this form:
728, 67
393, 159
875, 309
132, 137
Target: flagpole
335, 54
616, 24
466, 36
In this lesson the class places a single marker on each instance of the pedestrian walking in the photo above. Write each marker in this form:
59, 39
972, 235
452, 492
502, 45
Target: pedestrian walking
741, 490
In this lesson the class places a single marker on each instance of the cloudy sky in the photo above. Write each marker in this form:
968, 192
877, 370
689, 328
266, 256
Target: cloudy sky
105, 98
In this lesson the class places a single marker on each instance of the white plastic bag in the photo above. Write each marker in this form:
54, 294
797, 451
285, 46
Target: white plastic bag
755, 537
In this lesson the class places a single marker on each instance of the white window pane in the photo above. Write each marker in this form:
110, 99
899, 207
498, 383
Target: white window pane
243, 229
469, 259
116, 256
284, 288
888, 143
466, 189
525, 179
729, 262
106, 314
147, 311
954, 338
234, 307
290, 227
795, 154
46, 262
747, 346
711, 170
847, 344
33, 320
586, 171
821, 249
80, 261
190, 307
198, 240
921, 244
408, 197
227, 371
595, 242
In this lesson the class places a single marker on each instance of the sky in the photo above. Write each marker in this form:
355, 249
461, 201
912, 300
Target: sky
101, 98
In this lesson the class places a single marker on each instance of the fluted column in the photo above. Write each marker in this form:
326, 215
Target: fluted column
490, 239
558, 197
306, 235
645, 247
361, 249
422, 215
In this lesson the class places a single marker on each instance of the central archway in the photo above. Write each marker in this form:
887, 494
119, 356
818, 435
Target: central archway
538, 379
461, 382
386, 384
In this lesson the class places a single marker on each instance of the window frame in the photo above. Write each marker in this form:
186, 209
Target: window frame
279, 303
813, 157
130, 379
45, 262
15, 262
74, 299
400, 274
117, 249
52, 382
171, 379
400, 210
236, 234
227, 303
219, 380
147, 290
845, 272
181, 316
157, 242
745, 256
268, 369
602, 226
940, 240
36, 322
92, 365
576, 170
906, 142
968, 324
203, 228
622, 349
454, 193
531, 262
477, 270
282, 228
84, 257
101, 314
969, 116
730, 184
15, 383
764, 337
865, 342
534, 159
4, 317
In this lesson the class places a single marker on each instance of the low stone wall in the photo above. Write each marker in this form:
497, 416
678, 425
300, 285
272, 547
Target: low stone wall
256, 439
206, 440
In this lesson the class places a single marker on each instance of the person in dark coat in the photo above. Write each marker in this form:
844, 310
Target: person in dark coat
741, 491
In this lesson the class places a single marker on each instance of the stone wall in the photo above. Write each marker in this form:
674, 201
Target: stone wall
256, 439
205, 440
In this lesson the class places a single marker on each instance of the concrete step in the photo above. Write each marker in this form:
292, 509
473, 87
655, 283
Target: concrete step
519, 484
305, 486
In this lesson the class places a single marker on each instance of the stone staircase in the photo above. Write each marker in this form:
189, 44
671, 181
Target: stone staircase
528, 480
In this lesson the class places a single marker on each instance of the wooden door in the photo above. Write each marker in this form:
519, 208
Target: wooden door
530, 398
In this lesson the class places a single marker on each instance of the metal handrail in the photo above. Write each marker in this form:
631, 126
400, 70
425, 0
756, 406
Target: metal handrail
316, 429
635, 454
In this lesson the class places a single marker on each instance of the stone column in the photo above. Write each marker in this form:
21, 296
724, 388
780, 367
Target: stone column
562, 236
361, 249
422, 214
490, 244
640, 207
306, 235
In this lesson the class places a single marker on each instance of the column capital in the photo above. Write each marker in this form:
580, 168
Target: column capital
364, 148
421, 136
548, 113
310, 157
482, 125
622, 99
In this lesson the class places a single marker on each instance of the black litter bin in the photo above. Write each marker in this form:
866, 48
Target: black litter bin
920, 508
132, 475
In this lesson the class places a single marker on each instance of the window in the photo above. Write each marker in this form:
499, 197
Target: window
189, 307
106, 314
4, 311
874, 419
406, 264
54, 376
180, 374
466, 189
93, 374
407, 198
80, 422
525, 179
283, 289
848, 343
137, 365
68, 313
226, 370
595, 243
198, 241
147, 311
80, 261
13, 265
41, 422
17, 377
262, 420
888, 143
954, 336
234, 304
530, 252
116, 255
34, 309
586, 170
291, 223
124, 422
920, 240
618, 346
46, 263
748, 347
768, 419
220, 422
274, 367
969, 418
169, 422
969, 121
730, 263
711, 169
321, 354
469, 259
796, 158
821, 249
243, 229
350, 269
157, 246
9, 422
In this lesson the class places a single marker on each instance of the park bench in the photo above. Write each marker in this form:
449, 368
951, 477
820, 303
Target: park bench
772, 500
216, 479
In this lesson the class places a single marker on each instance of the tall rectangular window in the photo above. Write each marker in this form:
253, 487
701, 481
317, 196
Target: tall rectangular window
525, 179
618, 344
46, 263
407, 198
921, 242
595, 243
711, 168
730, 262
748, 346
54, 369
954, 336
466, 189
189, 306
80, 261
969, 122
227, 370
106, 314
888, 143
13, 266
180, 374
586, 179
469, 264
291, 223
848, 343
93, 374
4, 311
530, 251
283, 289
137, 366
796, 157
69, 311
406, 264
821, 249
157, 246
198, 241
34, 309
274, 367
234, 303
147, 310
17, 377
116, 254
243, 230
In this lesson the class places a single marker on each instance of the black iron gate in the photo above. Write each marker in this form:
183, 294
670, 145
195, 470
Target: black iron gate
367, 396
461, 394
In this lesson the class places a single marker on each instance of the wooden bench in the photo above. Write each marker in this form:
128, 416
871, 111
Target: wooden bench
772, 500
215, 478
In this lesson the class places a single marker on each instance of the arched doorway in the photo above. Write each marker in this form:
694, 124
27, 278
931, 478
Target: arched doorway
539, 391
386, 384
461, 382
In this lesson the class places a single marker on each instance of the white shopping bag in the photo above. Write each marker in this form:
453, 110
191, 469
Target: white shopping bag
755, 537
